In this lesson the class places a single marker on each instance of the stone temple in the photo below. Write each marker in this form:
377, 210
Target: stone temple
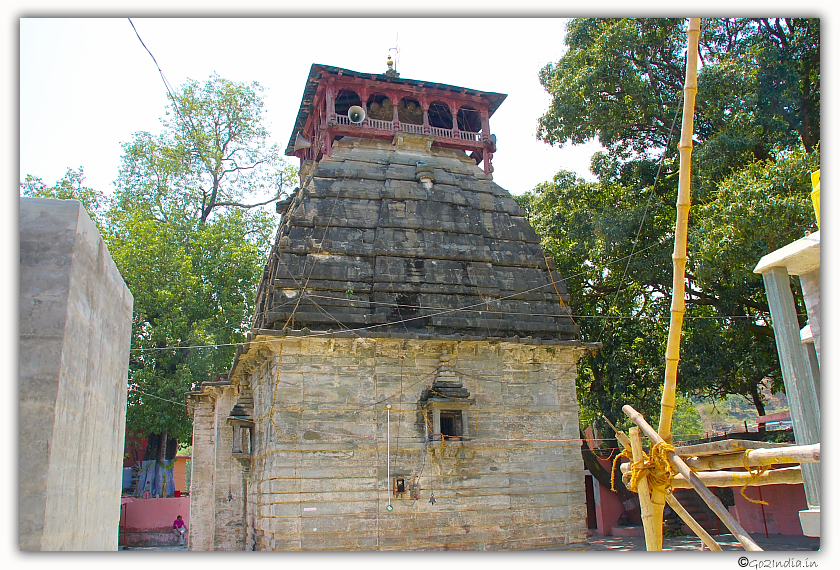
409, 379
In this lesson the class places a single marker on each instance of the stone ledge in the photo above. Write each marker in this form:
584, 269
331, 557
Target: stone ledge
798, 257
637, 530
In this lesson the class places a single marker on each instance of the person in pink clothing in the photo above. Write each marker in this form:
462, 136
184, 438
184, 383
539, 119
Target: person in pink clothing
180, 529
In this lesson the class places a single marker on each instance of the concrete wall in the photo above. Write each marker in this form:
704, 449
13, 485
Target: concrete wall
75, 334
319, 477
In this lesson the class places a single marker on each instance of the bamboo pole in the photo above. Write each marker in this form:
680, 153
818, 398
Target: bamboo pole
784, 476
713, 502
675, 504
653, 532
757, 457
683, 514
672, 352
692, 524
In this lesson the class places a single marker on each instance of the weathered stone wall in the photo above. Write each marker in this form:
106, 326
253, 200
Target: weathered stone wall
319, 477
217, 510
203, 481
230, 497
75, 335
399, 253
377, 242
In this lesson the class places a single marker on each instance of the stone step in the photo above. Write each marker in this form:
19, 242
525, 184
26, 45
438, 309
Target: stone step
149, 538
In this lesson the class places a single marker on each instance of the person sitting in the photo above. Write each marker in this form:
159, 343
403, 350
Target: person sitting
180, 529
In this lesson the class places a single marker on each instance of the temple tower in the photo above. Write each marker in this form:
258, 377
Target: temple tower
409, 378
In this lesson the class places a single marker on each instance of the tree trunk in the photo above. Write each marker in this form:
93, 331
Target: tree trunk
755, 394
162, 449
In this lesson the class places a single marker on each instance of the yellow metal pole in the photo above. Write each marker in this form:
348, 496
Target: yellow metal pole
672, 352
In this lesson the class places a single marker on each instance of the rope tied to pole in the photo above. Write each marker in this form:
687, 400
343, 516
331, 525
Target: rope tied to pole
755, 472
654, 467
626, 453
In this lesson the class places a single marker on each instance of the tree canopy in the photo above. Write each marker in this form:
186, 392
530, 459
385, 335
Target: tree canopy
756, 141
187, 231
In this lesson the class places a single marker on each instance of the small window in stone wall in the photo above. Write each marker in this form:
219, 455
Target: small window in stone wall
399, 486
451, 423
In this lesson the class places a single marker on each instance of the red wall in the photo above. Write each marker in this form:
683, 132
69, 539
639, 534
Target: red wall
610, 508
781, 515
144, 515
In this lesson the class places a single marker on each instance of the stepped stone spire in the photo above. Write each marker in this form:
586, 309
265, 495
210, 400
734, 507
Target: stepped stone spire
408, 238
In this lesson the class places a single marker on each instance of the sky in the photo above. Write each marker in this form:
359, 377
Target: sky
88, 84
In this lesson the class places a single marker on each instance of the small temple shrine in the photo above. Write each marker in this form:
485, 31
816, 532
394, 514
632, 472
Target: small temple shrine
408, 382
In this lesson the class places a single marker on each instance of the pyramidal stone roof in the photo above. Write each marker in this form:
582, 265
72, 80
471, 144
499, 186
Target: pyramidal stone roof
405, 239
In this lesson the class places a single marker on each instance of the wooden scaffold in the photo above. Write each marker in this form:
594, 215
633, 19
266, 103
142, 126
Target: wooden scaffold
664, 467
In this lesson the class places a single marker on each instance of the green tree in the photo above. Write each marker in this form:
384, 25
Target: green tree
190, 244
187, 229
193, 288
70, 187
687, 422
756, 141
212, 154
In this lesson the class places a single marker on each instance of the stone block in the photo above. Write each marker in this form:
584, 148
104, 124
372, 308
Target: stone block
75, 326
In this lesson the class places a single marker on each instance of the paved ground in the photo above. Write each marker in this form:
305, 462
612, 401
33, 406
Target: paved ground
776, 542
167, 548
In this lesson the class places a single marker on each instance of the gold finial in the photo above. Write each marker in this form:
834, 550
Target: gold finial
391, 71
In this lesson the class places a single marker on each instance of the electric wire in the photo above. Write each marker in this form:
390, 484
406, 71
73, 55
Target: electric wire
131, 389
467, 308
644, 217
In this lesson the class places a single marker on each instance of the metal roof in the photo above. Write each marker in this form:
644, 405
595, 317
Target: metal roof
317, 70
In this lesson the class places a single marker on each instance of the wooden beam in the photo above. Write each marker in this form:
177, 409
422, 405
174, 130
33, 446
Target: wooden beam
783, 476
733, 445
714, 503
680, 256
757, 457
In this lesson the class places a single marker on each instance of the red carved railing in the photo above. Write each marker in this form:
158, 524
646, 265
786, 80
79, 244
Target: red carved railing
411, 128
